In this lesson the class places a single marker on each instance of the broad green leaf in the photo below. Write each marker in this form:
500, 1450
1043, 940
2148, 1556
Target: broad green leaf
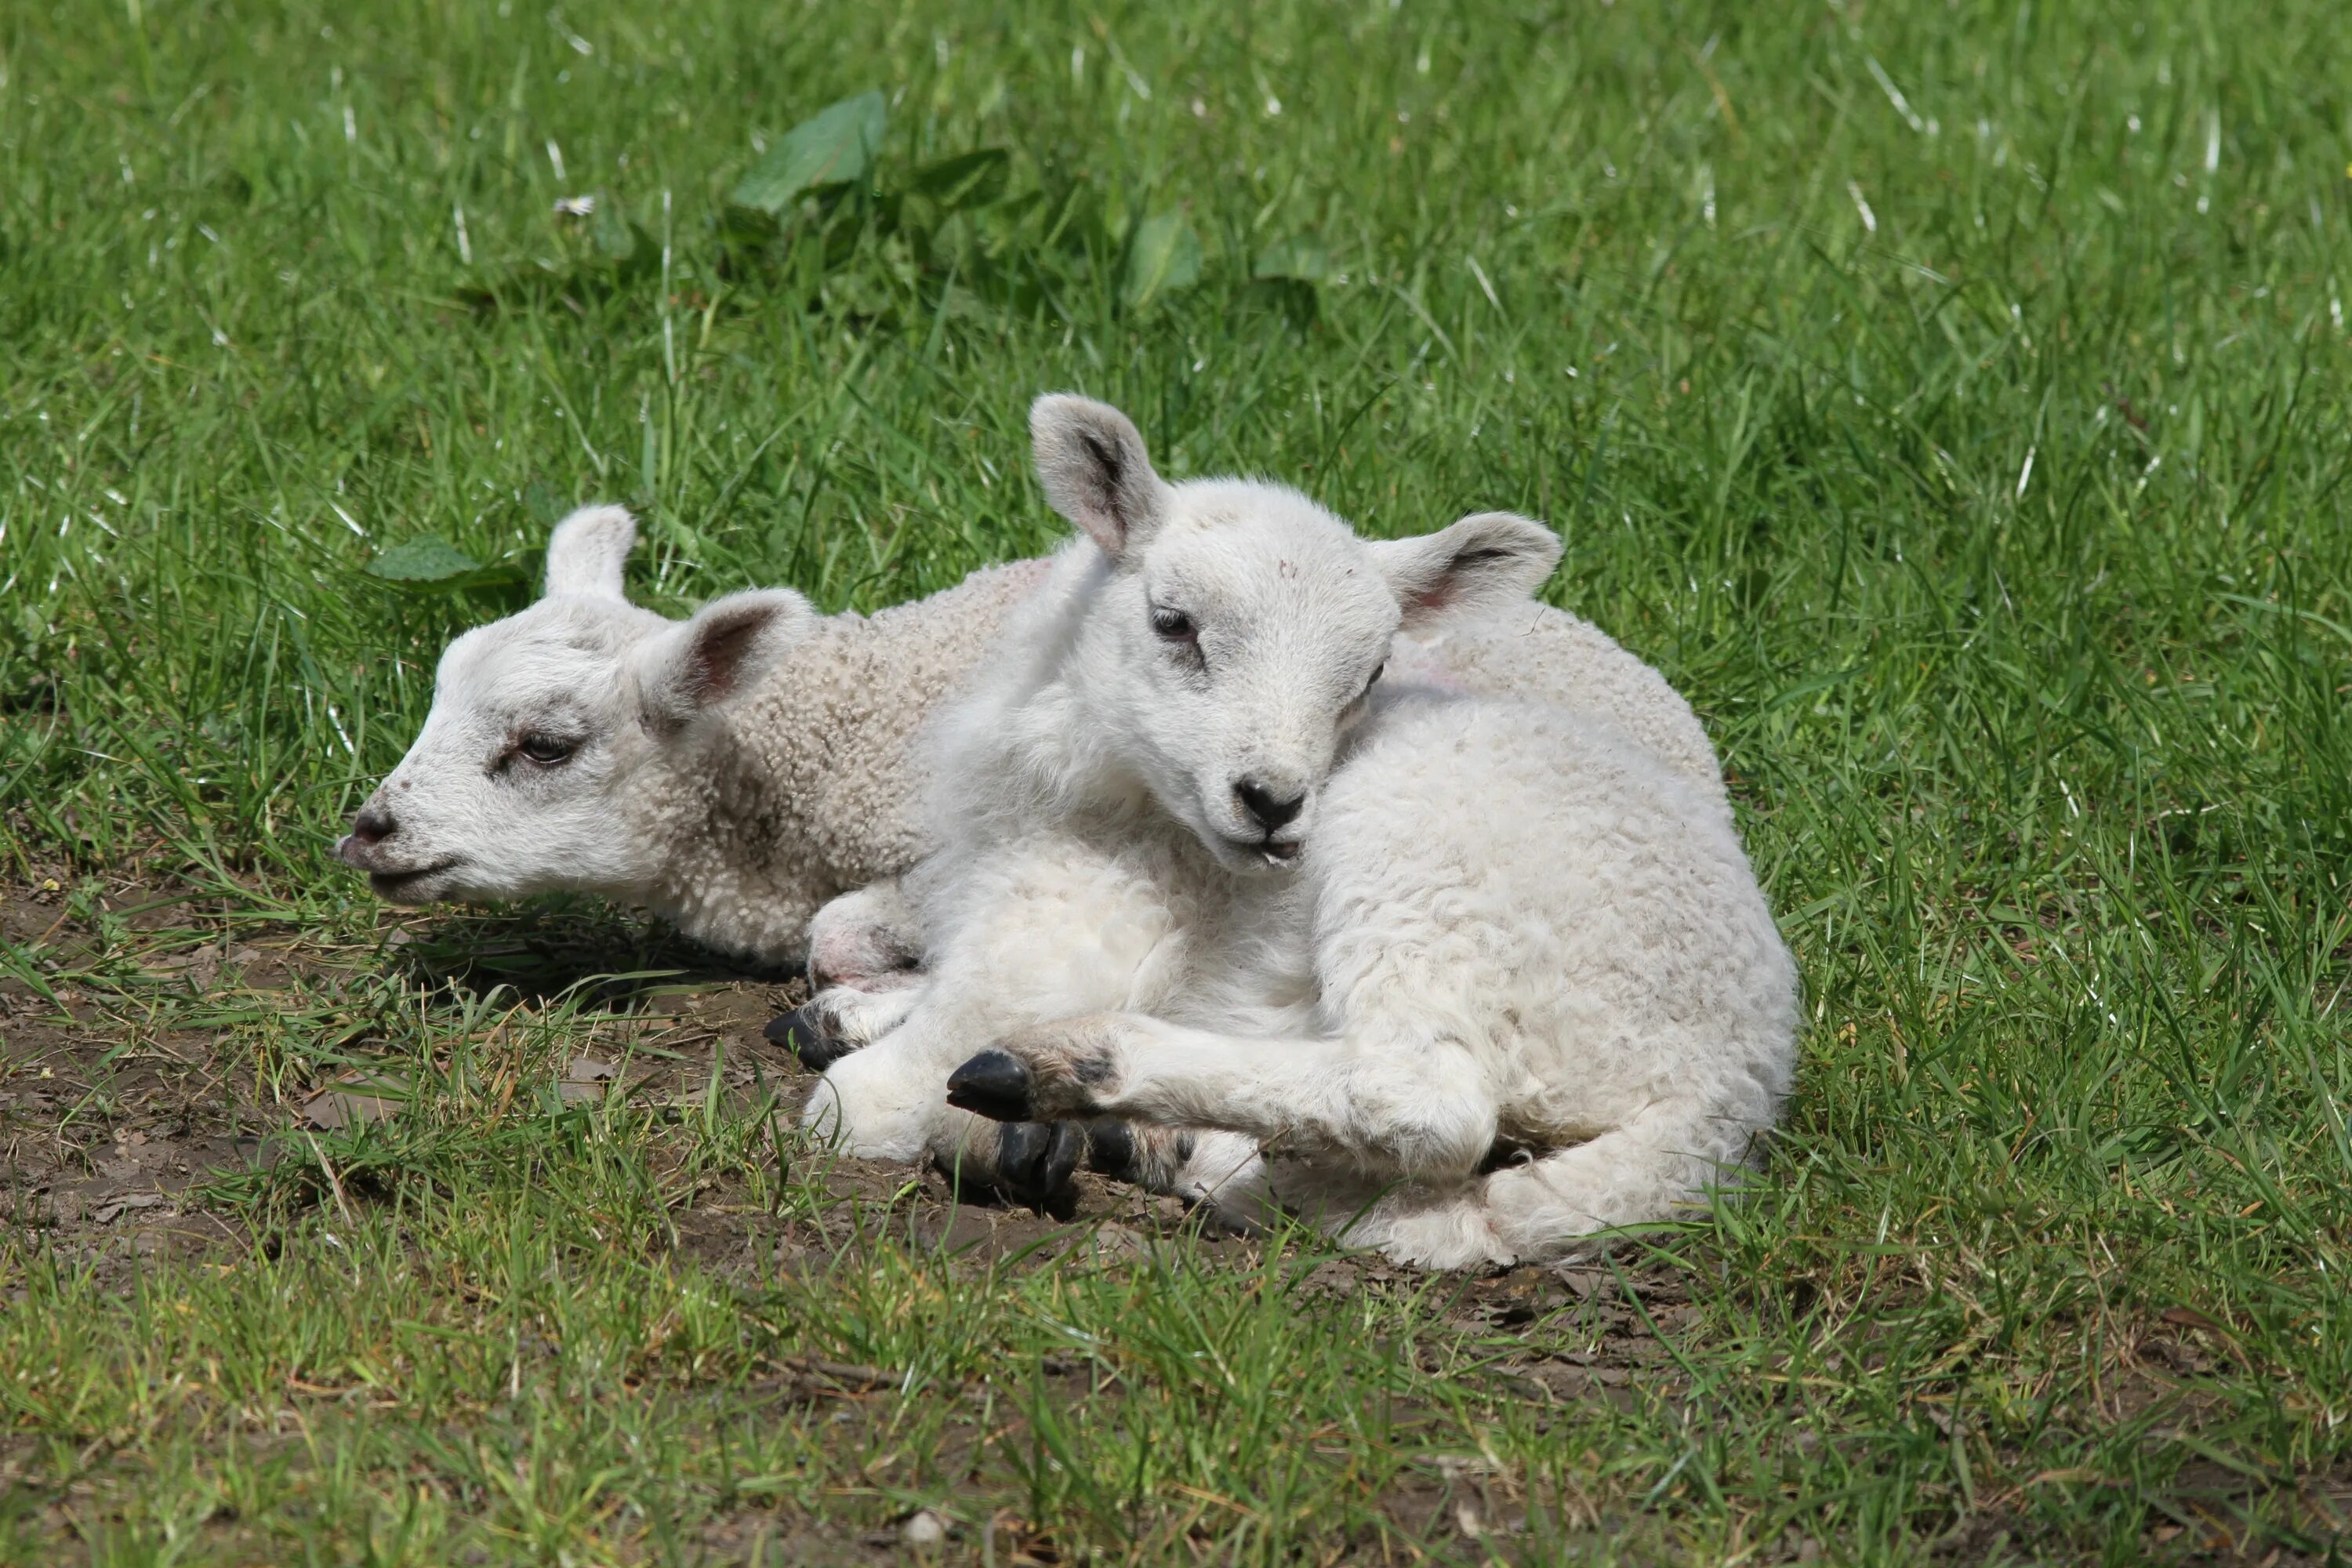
1164, 258
1297, 259
427, 560
441, 567
833, 147
967, 180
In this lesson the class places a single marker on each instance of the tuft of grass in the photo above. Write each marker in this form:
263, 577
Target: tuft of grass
1952, 401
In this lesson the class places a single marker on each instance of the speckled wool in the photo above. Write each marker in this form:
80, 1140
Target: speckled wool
731, 771
812, 788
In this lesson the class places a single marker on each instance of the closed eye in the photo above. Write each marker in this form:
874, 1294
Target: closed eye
546, 750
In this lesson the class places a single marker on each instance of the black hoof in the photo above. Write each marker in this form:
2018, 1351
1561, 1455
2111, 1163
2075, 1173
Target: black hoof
1110, 1147
801, 1030
993, 1084
1035, 1160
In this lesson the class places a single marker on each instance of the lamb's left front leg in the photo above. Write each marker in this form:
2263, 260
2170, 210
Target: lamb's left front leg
1410, 1108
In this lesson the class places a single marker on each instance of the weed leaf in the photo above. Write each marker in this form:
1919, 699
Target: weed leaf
615, 237
427, 560
832, 148
1165, 256
439, 565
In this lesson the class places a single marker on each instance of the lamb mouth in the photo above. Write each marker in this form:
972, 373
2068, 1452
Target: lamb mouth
1277, 855
393, 885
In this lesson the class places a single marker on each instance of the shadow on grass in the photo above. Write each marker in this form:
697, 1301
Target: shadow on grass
604, 958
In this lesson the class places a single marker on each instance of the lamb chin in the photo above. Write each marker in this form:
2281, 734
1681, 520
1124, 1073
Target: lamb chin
423, 886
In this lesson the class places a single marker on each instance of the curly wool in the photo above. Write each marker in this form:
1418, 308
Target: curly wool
812, 788
731, 771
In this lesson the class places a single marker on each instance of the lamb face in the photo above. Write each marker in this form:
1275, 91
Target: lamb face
1227, 659
1241, 627
511, 787
550, 730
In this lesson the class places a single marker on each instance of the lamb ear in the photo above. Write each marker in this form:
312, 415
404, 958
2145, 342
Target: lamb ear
1091, 461
723, 648
1487, 559
586, 553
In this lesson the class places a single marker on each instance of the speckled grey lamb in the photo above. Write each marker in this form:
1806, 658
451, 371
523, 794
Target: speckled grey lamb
731, 771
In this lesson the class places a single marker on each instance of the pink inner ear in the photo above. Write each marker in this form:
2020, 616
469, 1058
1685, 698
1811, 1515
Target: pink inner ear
1459, 569
718, 652
1103, 519
1434, 597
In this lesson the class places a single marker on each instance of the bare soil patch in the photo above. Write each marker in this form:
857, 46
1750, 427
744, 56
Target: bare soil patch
113, 1115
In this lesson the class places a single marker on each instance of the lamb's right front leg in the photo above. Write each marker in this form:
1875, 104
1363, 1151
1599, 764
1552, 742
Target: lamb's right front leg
1413, 1108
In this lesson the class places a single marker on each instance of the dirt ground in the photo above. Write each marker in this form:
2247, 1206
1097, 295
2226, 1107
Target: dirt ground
108, 1132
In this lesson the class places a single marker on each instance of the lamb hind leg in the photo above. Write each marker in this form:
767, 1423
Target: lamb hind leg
1370, 1143
1223, 1170
1659, 1166
1443, 1225
1032, 1162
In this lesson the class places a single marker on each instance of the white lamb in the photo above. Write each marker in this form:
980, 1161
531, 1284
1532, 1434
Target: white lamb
1479, 977
731, 771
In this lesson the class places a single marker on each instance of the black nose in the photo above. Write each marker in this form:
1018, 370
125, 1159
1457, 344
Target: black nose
1267, 811
373, 826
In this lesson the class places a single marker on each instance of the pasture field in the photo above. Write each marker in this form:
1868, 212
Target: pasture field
1950, 398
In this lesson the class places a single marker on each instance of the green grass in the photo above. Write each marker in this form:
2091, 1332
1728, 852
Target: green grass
1951, 399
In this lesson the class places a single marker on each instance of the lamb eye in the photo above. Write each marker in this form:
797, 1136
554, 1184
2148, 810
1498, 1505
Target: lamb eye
1175, 626
545, 749
1372, 680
